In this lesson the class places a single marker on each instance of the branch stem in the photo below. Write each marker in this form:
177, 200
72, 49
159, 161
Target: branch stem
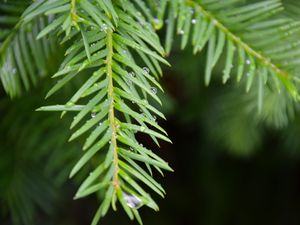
111, 114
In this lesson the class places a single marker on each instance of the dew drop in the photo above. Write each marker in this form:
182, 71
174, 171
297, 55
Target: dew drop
156, 21
181, 32
100, 124
93, 114
132, 74
132, 201
194, 21
146, 70
142, 129
104, 27
154, 90
248, 62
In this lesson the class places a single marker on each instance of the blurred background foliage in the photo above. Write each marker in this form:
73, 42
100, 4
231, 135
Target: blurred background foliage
232, 164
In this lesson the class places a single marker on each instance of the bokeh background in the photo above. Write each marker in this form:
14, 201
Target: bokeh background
233, 165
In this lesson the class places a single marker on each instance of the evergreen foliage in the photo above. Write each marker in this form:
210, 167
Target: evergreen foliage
114, 48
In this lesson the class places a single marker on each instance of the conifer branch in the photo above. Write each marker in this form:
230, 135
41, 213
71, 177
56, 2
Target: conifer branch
265, 61
246, 33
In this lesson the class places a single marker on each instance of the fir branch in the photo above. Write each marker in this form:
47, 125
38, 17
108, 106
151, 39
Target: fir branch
237, 28
109, 51
264, 61
22, 58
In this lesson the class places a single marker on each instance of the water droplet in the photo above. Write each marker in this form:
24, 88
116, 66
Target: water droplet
109, 142
100, 124
156, 21
131, 148
132, 74
142, 129
93, 114
124, 51
118, 126
194, 21
146, 70
181, 32
154, 90
248, 61
133, 202
104, 27
154, 118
